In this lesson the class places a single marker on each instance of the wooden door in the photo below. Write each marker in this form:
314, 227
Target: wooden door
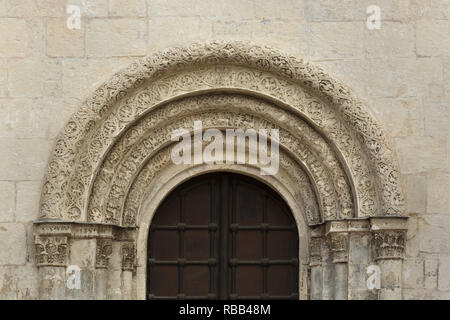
223, 236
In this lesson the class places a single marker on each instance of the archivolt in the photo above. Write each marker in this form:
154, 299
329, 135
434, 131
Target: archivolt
315, 113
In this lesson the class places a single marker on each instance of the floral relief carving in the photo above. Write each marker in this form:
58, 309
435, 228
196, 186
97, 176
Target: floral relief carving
103, 253
128, 256
125, 171
51, 250
389, 244
114, 108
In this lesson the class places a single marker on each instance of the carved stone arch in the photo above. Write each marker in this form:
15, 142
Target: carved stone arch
110, 157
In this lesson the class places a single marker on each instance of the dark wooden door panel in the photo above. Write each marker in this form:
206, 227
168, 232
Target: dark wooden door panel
223, 236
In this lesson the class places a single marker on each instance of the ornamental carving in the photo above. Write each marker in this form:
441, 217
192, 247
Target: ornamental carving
103, 253
354, 150
389, 244
51, 251
128, 256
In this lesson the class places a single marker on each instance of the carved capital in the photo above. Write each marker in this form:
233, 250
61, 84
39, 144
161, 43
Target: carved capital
103, 253
389, 244
51, 251
128, 256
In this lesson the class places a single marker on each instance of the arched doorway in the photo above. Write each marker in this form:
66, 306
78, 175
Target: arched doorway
111, 167
223, 236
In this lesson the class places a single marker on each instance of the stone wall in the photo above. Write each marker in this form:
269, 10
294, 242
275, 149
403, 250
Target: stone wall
401, 71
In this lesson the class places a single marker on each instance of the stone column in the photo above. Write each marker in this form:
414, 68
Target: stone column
103, 255
128, 267
389, 237
315, 263
359, 259
51, 258
337, 231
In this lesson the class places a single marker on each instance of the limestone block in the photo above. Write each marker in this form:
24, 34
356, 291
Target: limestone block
7, 201
432, 37
32, 77
291, 35
438, 187
392, 39
413, 272
274, 9
22, 8
3, 78
23, 159
119, 8
430, 271
416, 193
444, 272
13, 240
437, 116
2, 8
51, 8
418, 154
13, 37
433, 233
446, 71
160, 36
28, 195
92, 8
19, 282
27, 282
62, 41
116, 37
23, 118
242, 30
336, 40
8, 284
400, 117
83, 76
36, 37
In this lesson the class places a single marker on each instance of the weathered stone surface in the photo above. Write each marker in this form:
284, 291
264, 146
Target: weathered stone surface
433, 233
431, 271
432, 38
62, 41
81, 76
437, 117
13, 38
438, 200
401, 117
402, 71
444, 273
13, 240
392, 39
7, 201
116, 37
419, 154
23, 159
327, 44
129, 8
33, 77
160, 37
416, 193
28, 194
